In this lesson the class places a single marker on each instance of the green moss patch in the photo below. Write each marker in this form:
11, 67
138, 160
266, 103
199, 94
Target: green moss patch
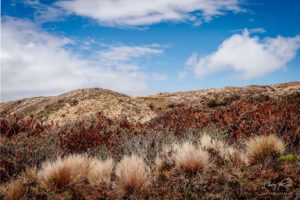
289, 157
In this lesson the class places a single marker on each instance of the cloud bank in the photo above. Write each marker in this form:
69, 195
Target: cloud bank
121, 57
249, 57
145, 12
35, 62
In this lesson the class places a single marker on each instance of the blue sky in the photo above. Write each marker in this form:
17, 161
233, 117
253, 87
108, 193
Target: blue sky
141, 47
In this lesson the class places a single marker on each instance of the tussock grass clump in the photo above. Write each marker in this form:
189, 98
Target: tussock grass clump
208, 143
189, 158
133, 174
100, 171
15, 191
235, 156
64, 171
261, 147
215, 147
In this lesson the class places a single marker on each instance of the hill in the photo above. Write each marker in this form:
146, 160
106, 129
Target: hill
104, 123
73, 105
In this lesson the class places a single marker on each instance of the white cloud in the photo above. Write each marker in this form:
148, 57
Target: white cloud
146, 12
34, 62
45, 12
121, 57
251, 30
125, 53
248, 56
257, 30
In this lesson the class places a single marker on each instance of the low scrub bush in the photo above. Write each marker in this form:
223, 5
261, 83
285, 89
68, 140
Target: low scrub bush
81, 138
25, 151
15, 124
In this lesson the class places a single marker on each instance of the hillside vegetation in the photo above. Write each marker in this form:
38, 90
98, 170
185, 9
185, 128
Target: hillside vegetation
232, 142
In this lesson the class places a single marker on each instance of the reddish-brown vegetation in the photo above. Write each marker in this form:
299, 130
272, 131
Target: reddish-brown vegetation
15, 124
27, 141
239, 120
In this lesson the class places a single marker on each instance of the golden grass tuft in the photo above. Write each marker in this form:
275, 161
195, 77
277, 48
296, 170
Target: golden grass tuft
208, 143
189, 158
100, 171
133, 174
64, 171
235, 156
261, 147
15, 191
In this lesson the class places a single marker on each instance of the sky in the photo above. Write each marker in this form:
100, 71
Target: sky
142, 47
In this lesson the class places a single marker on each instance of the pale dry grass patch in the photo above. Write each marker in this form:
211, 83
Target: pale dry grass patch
261, 147
15, 191
164, 160
209, 143
100, 171
235, 156
133, 174
189, 158
64, 171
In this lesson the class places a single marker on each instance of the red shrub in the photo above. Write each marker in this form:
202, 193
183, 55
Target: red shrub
15, 124
239, 119
82, 136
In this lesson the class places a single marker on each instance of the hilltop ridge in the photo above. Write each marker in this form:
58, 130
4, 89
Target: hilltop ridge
80, 103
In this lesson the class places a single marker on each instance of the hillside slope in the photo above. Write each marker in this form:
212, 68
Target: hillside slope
73, 105
102, 123
81, 103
